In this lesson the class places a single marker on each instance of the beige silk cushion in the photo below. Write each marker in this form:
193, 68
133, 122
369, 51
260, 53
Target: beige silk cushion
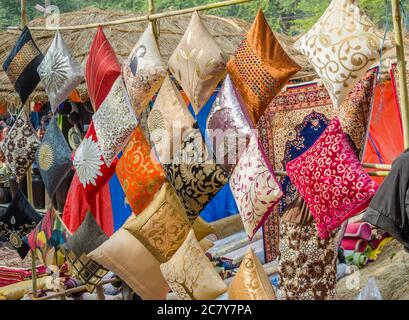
198, 63
341, 46
251, 281
206, 244
162, 226
191, 275
127, 257
202, 229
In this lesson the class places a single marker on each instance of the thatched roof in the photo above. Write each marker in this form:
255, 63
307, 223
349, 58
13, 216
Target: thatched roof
227, 32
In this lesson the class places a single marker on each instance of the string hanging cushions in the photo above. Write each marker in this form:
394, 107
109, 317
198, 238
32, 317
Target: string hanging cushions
22, 63
60, 73
341, 46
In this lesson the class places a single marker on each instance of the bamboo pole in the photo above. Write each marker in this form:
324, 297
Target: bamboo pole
154, 22
386, 167
401, 65
148, 17
23, 13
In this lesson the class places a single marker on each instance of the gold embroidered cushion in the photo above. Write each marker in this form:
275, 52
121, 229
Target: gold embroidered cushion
169, 117
260, 68
202, 229
198, 63
191, 275
127, 257
251, 281
143, 71
341, 46
162, 226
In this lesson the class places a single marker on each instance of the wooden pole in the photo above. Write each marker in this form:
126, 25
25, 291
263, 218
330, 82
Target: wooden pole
23, 12
401, 65
151, 17
154, 22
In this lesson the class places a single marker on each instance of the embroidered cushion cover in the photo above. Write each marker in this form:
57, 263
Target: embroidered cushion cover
202, 229
143, 71
60, 73
195, 175
102, 69
140, 175
124, 255
17, 221
198, 63
191, 275
251, 281
162, 226
22, 63
19, 146
114, 122
254, 187
53, 157
229, 126
168, 115
260, 67
333, 184
47, 237
341, 46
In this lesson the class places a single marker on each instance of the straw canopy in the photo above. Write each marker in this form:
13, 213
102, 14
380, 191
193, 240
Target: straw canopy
227, 32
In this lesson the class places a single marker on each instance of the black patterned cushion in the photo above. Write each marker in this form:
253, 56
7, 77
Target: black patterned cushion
194, 174
53, 157
22, 63
17, 221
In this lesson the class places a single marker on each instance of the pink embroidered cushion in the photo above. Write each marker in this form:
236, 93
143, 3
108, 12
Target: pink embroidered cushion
331, 180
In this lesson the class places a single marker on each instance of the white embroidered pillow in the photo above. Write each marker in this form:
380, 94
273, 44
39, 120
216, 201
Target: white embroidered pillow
341, 46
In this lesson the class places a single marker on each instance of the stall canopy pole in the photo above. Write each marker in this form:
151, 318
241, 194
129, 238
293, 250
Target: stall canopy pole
400, 54
23, 12
154, 22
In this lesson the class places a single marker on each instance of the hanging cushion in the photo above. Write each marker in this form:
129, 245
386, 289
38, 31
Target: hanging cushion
198, 63
195, 175
140, 175
143, 71
229, 128
341, 47
89, 165
333, 183
128, 258
20, 145
168, 115
53, 157
260, 67
251, 281
22, 63
202, 229
254, 187
47, 237
102, 69
114, 122
162, 226
88, 237
60, 73
17, 221
191, 275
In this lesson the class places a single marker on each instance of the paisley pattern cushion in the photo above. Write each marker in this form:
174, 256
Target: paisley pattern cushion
341, 46
191, 275
198, 63
17, 221
60, 73
22, 63
251, 281
162, 226
140, 175
260, 68
143, 71
53, 158
20, 145
195, 175
114, 122
254, 187
47, 237
227, 127
333, 184
168, 118
102, 69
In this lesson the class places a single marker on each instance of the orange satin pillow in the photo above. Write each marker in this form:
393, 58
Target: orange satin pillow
260, 67
140, 175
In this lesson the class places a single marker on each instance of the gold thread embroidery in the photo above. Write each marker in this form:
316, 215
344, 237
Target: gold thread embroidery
22, 59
